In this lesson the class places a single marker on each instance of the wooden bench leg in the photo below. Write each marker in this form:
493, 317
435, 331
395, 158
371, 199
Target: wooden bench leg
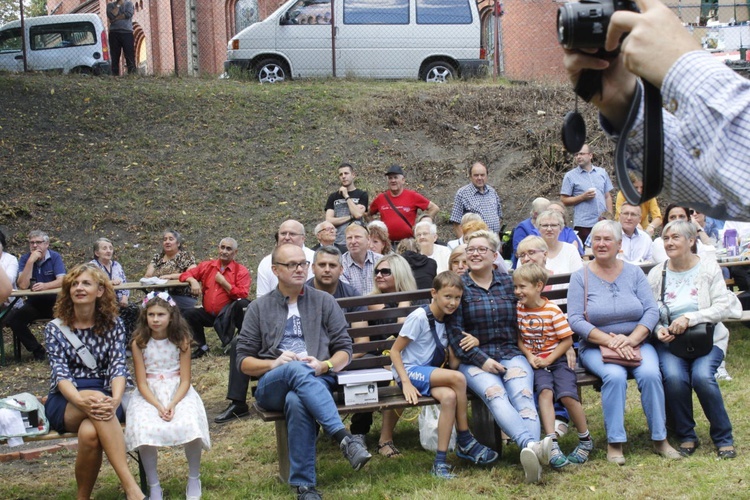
484, 428
282, 450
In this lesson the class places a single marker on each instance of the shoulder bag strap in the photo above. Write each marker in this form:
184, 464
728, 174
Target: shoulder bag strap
390, 202
80, 349
663, 287
586, 292
438, 346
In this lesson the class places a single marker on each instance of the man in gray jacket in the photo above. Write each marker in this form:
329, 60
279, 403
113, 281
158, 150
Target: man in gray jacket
293, 339
120, 16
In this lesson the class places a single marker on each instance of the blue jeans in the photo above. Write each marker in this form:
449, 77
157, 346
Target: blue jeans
615, 386
305, 399
681, 377
509, 396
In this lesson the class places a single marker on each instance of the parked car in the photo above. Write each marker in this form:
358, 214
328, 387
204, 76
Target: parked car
432, 40
70, 43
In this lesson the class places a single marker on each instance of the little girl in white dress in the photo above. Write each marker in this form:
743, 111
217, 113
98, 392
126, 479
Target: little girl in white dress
165, 410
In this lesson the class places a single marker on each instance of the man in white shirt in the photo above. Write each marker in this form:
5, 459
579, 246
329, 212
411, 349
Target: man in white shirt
290, 232
636, 243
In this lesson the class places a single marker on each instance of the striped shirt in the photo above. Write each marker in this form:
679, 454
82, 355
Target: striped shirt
360, 277
706, 137
542, 328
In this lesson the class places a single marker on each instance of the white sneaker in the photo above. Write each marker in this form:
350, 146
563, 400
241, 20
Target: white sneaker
542, 449
532, 469
721, 374
561, 427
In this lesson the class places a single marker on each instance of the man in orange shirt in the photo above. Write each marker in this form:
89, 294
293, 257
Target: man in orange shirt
225, 284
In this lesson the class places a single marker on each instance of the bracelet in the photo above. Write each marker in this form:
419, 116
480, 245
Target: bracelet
329, 364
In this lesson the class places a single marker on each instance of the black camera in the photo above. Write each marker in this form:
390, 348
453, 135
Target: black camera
583, 25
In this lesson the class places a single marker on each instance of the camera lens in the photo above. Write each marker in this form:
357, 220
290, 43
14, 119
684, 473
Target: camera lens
583, 25
564, 25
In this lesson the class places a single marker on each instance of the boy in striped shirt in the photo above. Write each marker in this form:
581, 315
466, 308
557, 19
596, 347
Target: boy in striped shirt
544, 337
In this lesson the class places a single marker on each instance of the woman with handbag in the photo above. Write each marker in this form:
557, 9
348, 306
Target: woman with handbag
611, 307
86, 349
692, 341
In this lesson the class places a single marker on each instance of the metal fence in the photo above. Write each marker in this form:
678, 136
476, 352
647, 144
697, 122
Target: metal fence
367, 38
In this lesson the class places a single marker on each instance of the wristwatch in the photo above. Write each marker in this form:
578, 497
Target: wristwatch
329, 364
699, 229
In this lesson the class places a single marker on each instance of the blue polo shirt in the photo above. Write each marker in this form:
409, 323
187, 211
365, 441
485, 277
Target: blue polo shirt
45, 271
577, 182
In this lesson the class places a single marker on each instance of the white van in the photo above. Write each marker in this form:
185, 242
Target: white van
71, 43
432, 40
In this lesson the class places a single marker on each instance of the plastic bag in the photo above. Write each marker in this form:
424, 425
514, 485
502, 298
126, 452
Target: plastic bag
428, 429
32, 413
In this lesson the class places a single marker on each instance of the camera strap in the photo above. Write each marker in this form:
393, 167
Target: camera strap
653, 145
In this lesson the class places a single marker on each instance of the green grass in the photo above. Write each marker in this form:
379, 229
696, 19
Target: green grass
242, 462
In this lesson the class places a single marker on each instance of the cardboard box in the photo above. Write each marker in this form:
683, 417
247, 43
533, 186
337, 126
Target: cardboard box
357, 394
350, 377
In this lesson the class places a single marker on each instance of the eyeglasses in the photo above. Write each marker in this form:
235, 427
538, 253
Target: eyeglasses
549, 226
327, 229
289, 234
292, 266
385, 271
35, 243
479, 250
528, 253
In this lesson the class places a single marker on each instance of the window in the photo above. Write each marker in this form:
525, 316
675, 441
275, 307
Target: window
376, 11
52, 36
309, 12
443, 12
10, 40
245, 14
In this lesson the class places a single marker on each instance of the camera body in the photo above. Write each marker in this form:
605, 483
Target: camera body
583, 25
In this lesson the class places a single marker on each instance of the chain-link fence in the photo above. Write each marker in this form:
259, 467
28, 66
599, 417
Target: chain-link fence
426, 39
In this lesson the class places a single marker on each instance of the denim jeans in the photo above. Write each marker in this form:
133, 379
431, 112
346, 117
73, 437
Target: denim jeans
305, 399
615, 386
509, 396
681, 377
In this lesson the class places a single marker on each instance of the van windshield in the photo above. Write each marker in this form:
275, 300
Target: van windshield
309, 12
53, 36
10, 40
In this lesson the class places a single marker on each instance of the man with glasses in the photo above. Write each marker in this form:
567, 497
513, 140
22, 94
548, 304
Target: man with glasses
348, 204
587, 189
636, 243
293, 340
290, 232
41, 269
326, 234
224, 284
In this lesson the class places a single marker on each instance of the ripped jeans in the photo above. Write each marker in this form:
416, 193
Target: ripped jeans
509, 396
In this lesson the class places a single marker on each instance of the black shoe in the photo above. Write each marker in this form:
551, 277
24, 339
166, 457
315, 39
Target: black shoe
233, 411
40, 354
727, 454
308, 493
199, 352
687, 452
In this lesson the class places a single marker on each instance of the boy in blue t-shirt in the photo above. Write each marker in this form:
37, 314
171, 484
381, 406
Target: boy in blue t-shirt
418, 355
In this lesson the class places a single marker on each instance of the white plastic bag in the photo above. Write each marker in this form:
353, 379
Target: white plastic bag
428, 429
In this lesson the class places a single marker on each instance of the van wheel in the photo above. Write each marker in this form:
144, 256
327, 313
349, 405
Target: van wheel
439, 72
81, 70
271, 71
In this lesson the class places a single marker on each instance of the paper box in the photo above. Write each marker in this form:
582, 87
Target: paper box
349, 377
357, 394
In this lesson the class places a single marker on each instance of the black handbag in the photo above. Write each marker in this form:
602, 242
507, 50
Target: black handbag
696, 340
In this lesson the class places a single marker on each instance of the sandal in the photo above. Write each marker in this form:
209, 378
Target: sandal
687, 451
477, 453
388, 450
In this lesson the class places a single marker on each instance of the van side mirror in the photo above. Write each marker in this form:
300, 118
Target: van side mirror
285, 19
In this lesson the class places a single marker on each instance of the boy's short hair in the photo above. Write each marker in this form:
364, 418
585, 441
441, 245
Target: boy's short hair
447, 279
531, 273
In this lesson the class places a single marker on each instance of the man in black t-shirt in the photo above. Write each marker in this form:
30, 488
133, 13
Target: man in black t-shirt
346, 205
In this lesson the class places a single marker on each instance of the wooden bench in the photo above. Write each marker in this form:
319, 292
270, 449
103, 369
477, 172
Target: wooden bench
483, 424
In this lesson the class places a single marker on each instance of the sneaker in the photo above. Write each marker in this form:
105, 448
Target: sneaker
557, 459
532, 468
721, 374
477, 453
360, 438
355, 452
308, 493
541, 449
443, 471
581, 454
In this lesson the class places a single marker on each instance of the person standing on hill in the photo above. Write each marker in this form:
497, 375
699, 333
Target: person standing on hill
121, 41
398, 206
346, 205
587, 188
477, 197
